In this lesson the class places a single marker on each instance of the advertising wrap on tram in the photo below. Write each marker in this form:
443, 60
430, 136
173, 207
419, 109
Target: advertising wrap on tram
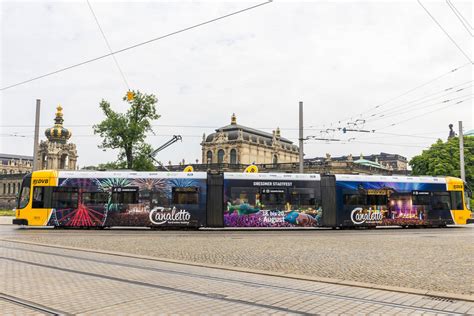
366, 202
270, 200
199, 199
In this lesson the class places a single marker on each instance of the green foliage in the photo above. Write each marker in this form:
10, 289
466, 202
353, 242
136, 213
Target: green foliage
442, 159
112, 165
7, 213
127, 132
142, 159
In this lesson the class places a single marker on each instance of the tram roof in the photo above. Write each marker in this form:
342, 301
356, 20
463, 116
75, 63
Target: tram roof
376, 178
270, 176
131, 174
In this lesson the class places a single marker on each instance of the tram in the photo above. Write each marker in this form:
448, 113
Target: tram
85, 199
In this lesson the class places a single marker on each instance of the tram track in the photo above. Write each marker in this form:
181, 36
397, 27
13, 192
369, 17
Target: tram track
114, 232
213, 296
31, 305
253, 284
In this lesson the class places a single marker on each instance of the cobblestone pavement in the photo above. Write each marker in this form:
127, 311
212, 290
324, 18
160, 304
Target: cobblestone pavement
428, 259
69, 281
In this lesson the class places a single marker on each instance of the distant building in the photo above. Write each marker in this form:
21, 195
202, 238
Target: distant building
13, 168
15, 164
469, 133
238, 144
395, 162
382, 163
316, 165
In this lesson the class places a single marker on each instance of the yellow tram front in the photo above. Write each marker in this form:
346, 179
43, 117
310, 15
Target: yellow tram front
460, 200
34, 199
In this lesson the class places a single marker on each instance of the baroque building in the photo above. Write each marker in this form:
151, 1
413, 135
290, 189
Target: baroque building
53, 153
12, 164
12, 170
237, 144
56, 152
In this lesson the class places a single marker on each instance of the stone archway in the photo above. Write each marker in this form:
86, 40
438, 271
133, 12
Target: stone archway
63, 161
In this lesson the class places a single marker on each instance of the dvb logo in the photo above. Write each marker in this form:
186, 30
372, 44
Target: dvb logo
40, 181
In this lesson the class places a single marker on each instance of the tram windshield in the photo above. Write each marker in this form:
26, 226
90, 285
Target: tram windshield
24, 195
467, 196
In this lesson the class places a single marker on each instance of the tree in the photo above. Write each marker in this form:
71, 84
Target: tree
127, 131
442, 159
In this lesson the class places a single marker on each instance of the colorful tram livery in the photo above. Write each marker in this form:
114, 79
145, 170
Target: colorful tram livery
198, 199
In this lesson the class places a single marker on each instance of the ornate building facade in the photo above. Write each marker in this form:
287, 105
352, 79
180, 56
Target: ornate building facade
15, 164
13, 168
56, 152
53, 153
237, 144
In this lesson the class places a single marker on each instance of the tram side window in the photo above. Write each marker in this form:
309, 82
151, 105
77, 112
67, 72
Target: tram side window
441, 201
456, 200
38, 197
274, 197
355, 199
240, 195
467, 197
303, 197
421, 199
65, 198
125, 195
95, 198
377, 200
185, 195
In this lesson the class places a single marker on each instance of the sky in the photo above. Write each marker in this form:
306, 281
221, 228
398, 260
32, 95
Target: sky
385, 62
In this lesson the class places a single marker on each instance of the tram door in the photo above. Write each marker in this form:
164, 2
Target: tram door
329, 201
40, 204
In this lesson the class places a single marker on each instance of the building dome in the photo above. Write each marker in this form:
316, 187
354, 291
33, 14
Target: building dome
58, 133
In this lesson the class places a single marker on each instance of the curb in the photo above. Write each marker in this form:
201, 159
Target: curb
453, 296
6, 220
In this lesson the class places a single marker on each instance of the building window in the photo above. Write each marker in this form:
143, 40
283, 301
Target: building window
233, 156
4, 188
220, 156
9, 188
209, 156
275, 159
